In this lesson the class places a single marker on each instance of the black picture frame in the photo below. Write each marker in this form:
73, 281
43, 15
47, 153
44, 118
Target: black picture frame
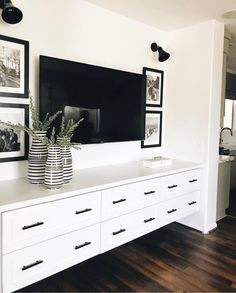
16, 148
153, 87
14, 67
153, 129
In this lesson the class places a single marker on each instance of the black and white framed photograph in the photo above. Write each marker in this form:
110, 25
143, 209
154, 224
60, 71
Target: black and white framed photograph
14, 67
153, 86
153, 129
13, 144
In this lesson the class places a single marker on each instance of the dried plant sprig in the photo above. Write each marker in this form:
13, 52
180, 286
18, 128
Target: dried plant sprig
67, 129
20, 128
64, 141
36, 123
45, 140
66, 133
52, 140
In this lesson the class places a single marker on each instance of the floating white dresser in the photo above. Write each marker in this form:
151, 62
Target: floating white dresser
44, 231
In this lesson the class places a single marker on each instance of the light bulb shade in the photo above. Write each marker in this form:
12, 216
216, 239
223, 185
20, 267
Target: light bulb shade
10, 13
163, 55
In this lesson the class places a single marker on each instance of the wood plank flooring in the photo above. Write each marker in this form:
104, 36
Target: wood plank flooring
172, 259
231, 210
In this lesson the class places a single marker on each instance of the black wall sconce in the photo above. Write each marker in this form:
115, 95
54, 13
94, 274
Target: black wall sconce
10, 13
163, 55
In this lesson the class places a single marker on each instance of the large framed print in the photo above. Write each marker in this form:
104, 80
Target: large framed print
14, 67
13, 143
153, 129
153, 87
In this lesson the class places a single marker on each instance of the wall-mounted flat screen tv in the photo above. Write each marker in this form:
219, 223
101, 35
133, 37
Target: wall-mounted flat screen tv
110, 101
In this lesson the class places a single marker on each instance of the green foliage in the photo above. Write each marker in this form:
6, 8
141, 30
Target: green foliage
67, 129
19, 127
51, 140
66, 132
36, 123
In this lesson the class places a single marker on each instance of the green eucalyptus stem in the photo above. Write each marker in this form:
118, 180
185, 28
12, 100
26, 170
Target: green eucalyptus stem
19, 127
66, 133
47, 121
67, 129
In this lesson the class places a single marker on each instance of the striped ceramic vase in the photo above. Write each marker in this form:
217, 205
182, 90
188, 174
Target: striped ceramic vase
66, 160
67, 164
37, 159
54, 168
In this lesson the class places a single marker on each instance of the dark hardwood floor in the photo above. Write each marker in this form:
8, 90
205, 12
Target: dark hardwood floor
171, 259
232, 204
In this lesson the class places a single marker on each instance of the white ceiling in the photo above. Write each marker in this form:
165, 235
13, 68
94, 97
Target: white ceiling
170, 15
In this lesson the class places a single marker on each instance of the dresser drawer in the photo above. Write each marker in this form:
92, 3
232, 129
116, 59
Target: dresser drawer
171, 210
179, 184
127, 198
177, 208
28, 265
117, 231
27, 226
190, 203
191, 180
148, 219
120, 230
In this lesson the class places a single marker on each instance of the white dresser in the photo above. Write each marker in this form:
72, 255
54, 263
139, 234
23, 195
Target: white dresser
44, 231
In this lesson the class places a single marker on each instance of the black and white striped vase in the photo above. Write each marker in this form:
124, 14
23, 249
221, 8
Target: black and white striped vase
37, 159
67, 164
54, 168
66, 160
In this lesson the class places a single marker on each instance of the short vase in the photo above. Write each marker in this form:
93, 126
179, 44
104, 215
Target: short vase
54, 168
37, 159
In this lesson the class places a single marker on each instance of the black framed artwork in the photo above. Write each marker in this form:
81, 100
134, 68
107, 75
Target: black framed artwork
153, 87
14, 67
153, 129
13, 144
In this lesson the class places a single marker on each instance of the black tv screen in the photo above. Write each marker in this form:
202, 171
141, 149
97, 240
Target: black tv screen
110, 101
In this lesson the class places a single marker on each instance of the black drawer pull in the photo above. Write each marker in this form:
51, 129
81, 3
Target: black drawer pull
149, 192
32, 265
149, 220
173, 186
193, 180
32, 226
82, 245
118, 201
172, 211
118, 232
191, 203
83, 211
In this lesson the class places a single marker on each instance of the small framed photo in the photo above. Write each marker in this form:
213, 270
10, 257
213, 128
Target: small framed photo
13, 144
14, 67
154, 87
153, 129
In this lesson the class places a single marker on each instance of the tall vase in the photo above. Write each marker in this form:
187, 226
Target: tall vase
66, 160
67, 164
54, 168
37, 159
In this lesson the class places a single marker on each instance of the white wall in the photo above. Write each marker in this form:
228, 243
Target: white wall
193, 106
78, 30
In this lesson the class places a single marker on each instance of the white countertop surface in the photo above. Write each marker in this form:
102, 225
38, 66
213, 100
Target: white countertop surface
19, 192
226, 159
